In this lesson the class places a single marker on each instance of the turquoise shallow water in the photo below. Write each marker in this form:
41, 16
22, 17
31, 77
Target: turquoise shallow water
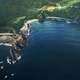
52, 53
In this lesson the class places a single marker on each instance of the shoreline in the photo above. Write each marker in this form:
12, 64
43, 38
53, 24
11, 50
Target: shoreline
17, 41
35, 20
67, 20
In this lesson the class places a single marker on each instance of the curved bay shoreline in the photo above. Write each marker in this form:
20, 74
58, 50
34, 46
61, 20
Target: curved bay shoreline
17, 41
10, 38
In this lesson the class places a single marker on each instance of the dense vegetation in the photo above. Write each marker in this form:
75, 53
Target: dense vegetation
12, 12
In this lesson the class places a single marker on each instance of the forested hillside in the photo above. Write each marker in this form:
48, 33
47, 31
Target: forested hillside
12, 12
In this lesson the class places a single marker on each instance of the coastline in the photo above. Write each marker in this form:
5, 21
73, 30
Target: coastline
17, 41
30, 22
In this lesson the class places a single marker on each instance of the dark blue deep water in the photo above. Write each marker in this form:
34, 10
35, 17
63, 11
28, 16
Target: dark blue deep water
52, 53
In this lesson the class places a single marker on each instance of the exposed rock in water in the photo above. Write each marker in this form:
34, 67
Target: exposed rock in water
42, 17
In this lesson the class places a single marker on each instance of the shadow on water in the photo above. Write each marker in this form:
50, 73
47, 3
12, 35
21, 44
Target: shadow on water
52, 53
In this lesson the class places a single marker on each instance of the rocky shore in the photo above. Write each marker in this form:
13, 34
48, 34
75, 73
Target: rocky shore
16, 42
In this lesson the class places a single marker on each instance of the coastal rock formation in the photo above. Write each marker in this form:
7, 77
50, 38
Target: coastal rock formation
16, 42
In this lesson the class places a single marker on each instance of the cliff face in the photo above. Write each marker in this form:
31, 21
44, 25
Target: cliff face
10, 38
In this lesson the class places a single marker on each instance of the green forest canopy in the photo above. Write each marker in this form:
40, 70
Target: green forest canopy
12, 12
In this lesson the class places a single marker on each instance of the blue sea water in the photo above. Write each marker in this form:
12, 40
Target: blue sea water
52, 53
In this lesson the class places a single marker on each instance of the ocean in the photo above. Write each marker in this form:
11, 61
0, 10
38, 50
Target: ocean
52, 52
